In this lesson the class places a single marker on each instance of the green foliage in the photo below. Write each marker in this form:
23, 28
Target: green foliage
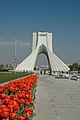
33, 90
1, 66
21, 110
74, 67
32, 115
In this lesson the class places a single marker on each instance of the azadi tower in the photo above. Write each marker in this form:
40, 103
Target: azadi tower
42, 43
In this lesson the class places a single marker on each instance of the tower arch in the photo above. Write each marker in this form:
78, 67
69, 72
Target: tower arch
42, 43
43, 50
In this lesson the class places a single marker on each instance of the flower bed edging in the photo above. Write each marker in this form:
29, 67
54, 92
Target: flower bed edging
17, 99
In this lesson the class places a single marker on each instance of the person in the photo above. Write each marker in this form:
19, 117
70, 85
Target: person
41, 71
44, 71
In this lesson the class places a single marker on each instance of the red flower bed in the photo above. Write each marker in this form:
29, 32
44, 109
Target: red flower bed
17, 99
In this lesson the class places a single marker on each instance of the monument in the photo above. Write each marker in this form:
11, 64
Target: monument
42, 43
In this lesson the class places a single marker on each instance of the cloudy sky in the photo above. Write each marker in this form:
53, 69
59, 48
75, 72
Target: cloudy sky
23, 17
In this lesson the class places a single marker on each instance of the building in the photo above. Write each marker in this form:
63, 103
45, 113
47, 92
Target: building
42, 43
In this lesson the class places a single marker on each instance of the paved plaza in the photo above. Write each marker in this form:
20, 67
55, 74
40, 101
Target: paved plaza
57, 99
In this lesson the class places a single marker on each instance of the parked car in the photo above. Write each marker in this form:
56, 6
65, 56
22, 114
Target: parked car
74, 77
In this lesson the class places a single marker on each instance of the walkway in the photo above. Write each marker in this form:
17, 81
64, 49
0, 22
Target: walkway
57, 99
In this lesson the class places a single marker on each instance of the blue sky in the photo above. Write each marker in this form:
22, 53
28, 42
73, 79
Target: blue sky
23, 17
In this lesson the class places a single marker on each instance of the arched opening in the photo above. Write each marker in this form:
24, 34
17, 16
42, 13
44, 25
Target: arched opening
41, 59
42, 63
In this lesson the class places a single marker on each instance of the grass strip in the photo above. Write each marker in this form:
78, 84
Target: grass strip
8, 76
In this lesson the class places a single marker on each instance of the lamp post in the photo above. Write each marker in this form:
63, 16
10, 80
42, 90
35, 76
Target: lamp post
15, 53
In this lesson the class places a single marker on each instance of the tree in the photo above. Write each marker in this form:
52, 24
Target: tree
1, 66
73, 67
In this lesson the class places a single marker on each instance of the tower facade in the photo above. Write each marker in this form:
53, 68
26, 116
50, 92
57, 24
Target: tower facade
40, 38
42, 43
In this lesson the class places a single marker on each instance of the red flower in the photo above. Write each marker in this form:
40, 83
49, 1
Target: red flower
5, 118
5, 109
27, 103
20, 95
21, 101
15, 108
1, 89
3, 95
20, 118
12, 116
28, 110
4, 114
3, 106
27, 116
13, 95
6, 101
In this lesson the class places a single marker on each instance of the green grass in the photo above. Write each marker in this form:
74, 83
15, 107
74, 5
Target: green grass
5, 77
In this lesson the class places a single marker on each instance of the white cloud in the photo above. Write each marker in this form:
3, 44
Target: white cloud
5, 43
23, 43
19, 43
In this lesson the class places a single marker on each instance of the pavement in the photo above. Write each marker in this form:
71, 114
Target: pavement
57, 99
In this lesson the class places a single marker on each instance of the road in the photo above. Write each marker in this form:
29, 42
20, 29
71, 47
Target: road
57, 99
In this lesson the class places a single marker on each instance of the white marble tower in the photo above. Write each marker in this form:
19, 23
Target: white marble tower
42, 43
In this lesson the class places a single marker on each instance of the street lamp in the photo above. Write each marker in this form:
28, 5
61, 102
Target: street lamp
15, 53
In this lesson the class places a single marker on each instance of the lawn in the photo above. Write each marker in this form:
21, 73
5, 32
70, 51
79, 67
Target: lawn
7, 76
